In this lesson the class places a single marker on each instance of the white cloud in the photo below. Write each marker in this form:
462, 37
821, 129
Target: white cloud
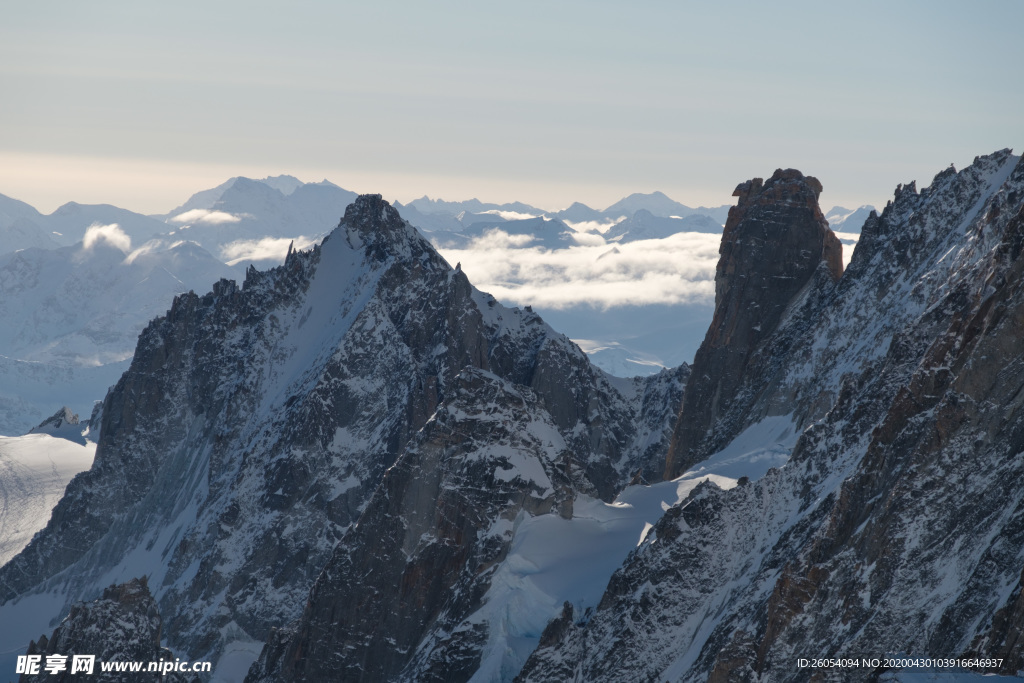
266, 248
112, 234
678, 269
510, 215
206, 216
497, 239
588, 239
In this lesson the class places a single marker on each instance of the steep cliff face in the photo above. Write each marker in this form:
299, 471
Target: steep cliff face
256, 423
895, 527
419, 588
421, 558
775, 241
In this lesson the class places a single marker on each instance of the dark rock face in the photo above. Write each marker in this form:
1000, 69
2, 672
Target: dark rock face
775, 240
895, 527
255, 426
419, 561
123, 625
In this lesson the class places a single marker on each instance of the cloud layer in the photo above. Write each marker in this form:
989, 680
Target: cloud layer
206, 216
678, 269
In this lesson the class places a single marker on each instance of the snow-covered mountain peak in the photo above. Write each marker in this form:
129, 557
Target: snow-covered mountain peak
285, 184
372, 224
57, 420
260, 421
656, 202
915, 223
237, 186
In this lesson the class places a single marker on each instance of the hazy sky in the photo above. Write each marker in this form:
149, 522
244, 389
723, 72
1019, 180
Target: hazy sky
140, 104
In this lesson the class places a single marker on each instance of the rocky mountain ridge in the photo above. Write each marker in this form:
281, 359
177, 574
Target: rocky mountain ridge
344, 457
77, 286
894, 527
257, 421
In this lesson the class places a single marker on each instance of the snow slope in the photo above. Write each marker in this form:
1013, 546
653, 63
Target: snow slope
34, 470
553, 560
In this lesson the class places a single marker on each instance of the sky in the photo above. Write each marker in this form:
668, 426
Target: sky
140, 104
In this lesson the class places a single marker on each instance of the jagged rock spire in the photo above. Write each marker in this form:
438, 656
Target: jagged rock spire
775, 238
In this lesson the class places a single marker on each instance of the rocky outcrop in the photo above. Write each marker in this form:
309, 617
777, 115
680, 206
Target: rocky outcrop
776, 239
123, 625
62, 417
895, 527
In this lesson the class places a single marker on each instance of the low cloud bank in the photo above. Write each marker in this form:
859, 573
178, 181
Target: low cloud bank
675, 270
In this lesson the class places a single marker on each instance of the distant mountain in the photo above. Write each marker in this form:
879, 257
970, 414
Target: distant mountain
70, 222
655, 202
72, 316
845, 220
579, 213
286, 184
246, 222
643, 225
542, 232
658, 204
427, 205
207, 199
21, 226
251, 222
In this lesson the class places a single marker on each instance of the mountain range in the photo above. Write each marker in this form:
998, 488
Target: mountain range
77, 286
358, 466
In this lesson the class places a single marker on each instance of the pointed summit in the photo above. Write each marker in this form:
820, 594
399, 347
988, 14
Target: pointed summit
372, 224
658, 203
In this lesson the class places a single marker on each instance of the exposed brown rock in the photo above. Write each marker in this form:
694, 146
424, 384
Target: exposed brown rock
776, 237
